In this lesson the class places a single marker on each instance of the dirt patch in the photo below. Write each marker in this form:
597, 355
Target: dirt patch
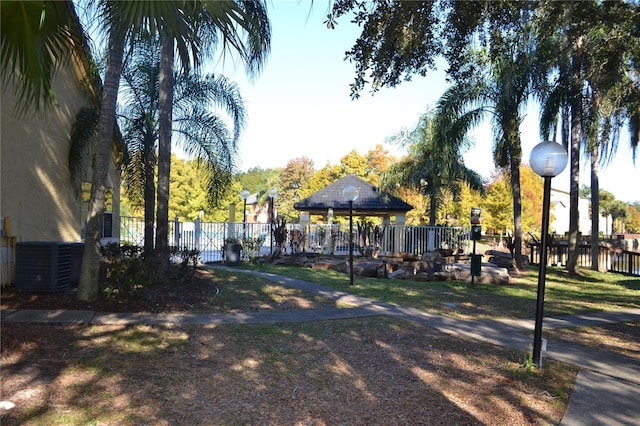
207, 292
379, 371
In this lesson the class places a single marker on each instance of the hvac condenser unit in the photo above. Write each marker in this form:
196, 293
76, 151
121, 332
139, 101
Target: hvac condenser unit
43, 266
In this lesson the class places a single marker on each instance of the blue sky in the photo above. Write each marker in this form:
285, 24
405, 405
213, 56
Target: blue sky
300, 105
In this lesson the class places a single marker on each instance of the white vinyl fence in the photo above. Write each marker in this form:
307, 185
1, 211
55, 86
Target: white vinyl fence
209, 238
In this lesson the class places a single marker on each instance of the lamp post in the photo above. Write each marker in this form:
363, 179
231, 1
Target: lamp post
273, 193
350, 194
547, 159
244, 194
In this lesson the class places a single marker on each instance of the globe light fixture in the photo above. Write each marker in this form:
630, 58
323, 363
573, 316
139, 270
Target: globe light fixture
350, 194
548, 159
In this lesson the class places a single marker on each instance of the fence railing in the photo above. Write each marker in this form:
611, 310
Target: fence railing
209, 237
612, 260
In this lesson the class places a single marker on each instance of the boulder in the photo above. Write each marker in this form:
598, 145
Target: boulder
399, 274
443, 276
331, 265
367, 268
488, 274
431, 257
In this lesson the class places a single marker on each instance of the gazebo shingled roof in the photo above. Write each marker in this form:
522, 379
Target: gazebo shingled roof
371, 201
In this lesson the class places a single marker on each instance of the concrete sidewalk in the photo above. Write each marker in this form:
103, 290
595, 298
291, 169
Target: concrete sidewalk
607, 393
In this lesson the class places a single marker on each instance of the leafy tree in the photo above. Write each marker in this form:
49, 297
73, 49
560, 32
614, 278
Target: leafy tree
294, 180
498, 203
379, 161
400, 39
188, 190
532, 187
633, 218
353, 164
468, 198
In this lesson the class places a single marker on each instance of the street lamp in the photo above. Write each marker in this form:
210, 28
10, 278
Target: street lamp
547, 159
244, 194
273, 193
350, 194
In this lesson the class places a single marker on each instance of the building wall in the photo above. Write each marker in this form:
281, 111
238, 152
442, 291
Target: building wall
559, 210
35, 182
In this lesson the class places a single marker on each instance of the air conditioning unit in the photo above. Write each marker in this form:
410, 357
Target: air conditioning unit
43, 266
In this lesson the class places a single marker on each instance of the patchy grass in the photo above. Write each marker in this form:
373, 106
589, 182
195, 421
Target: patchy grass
622, 339
362, 371
565, 294
374, 370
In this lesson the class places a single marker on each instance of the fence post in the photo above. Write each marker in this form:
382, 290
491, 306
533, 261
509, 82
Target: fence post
176, 232
400, 235
197, 233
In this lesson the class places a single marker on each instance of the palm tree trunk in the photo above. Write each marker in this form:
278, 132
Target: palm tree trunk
576, 109
433, 208
149, 195
517, 211
164, 151
90, 270
595, 207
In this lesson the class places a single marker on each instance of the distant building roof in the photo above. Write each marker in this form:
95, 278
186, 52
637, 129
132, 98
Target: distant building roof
371, 201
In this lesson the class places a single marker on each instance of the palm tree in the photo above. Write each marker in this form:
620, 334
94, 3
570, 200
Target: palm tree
591, 57
214, 20
201, 133
502, 93
179, 23
433, 165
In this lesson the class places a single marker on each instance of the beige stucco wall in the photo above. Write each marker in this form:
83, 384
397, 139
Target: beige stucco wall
35, 182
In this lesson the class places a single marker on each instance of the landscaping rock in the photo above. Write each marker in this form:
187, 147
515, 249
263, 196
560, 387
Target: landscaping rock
488, 274
443, 276
331, 265
367, 268
399, 274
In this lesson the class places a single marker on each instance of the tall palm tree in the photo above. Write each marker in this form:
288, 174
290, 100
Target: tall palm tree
501, 93
433, 165
213, 21
179, 23
200, 131
590, 55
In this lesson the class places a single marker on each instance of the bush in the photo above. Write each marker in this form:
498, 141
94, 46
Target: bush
126, 270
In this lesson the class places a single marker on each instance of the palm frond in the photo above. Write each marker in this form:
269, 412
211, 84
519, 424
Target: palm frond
83, 139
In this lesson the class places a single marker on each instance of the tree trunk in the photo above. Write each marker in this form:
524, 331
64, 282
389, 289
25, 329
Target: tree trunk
595, 207
149, 195
88, 287
574, 187
433, 208
517, 210
165, 105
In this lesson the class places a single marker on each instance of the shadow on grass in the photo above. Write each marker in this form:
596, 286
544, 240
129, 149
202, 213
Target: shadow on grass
362, 371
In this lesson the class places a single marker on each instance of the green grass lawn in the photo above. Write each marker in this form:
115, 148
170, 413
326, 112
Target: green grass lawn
565, 294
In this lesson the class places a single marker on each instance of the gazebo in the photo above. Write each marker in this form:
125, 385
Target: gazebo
371, 202
329, 202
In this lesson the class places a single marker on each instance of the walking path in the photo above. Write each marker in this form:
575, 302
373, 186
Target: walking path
607, 393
